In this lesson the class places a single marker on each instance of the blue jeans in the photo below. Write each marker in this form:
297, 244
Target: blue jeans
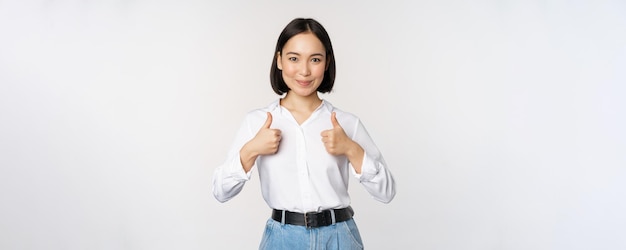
339, 236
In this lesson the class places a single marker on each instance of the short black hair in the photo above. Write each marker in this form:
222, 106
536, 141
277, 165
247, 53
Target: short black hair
295, 27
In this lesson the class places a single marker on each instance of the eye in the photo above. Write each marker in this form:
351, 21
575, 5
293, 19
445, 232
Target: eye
316, 60
293, 59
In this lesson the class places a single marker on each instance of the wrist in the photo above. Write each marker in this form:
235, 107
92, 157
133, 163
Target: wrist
355, 150
246, 153
247, 157
355, 155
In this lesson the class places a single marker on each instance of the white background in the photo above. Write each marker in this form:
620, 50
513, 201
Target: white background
502, 121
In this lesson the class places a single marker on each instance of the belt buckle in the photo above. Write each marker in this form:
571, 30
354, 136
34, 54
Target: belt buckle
314, 219
311, 220
307, 224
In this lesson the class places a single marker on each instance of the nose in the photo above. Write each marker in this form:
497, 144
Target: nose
305, 69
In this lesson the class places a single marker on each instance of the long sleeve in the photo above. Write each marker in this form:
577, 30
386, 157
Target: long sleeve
302, 176
375, 176
229, 178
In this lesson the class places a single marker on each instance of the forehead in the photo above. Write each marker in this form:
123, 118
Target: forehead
304, 43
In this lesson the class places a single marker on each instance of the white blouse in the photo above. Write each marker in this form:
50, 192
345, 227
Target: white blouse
302, 176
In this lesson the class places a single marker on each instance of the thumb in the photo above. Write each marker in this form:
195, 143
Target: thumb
268, 122
333, 119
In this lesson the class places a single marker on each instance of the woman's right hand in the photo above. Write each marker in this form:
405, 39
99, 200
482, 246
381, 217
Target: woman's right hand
265, 142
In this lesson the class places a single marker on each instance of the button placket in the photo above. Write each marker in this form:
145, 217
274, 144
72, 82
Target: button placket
303, 170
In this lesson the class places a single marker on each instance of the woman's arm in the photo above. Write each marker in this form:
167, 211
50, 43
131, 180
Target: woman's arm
364, 157
374, 174
230, 177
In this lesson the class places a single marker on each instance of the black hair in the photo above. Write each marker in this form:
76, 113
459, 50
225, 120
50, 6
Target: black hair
295, 27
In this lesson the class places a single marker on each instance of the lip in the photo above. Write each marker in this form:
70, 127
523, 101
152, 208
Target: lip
304, 83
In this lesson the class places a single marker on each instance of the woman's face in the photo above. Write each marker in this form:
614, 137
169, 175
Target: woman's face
303, 62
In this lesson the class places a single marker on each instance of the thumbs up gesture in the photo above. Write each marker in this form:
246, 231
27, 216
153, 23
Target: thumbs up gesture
335, 140
266, 140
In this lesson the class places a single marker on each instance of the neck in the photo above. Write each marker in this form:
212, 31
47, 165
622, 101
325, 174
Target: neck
304, 103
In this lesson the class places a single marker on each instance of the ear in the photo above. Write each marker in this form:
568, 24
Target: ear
279, 64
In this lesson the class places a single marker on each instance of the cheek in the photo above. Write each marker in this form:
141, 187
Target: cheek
289, 70
319, 71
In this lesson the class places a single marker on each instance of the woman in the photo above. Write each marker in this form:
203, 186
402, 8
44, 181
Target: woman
304, 150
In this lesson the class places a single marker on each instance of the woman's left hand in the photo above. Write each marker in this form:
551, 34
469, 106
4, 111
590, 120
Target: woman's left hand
335, 140
338, 143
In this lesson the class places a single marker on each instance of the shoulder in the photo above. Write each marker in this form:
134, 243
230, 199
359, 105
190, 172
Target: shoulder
343, 117
259, 115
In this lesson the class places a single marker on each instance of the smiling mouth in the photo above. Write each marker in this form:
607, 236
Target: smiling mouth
304, 83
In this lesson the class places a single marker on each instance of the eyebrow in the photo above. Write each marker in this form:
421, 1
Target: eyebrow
297, 54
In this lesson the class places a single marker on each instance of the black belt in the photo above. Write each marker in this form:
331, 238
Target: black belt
313, 219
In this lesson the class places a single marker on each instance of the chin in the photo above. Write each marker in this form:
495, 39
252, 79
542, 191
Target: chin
307, 93
303, 92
